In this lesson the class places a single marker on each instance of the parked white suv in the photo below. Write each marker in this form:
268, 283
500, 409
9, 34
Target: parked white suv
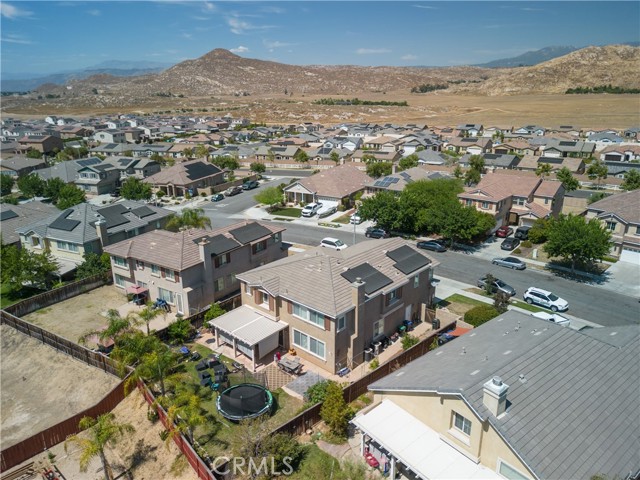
334, 243
311, 209
545, 299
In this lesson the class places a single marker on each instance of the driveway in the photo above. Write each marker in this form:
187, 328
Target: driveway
624, 278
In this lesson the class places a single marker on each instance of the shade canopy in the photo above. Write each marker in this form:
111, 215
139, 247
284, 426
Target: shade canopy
136, 289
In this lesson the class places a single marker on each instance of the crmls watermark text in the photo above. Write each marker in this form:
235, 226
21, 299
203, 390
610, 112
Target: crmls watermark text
251, 466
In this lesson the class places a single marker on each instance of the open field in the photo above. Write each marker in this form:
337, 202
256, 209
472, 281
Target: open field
41, 387
436, 108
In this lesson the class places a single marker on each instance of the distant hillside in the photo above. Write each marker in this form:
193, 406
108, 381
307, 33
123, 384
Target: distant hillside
533, 57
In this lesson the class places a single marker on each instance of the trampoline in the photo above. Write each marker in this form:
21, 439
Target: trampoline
243, 401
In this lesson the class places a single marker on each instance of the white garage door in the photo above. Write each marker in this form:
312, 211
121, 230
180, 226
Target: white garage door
630, 255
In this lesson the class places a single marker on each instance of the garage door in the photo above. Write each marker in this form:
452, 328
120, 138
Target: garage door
630, 255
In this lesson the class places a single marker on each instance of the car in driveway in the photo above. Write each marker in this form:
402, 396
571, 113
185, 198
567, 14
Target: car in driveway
250, 185
510, 262
311, 209
333, 243
327, 212
355, 219
553, 317
433, 245
376, 232
216, 197
504, 231
509, 244
497, 285
546, 299
522, 233
231, 191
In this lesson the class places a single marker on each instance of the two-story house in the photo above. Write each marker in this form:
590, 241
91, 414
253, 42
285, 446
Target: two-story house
515, 200
517, 398
191, 177
85, 228
620, 214
110, 136
331, 306
470, 145
193, 268
47, 144
98, 179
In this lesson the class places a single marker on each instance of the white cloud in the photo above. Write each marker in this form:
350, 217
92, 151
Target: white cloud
275, 44
19, 39
409, 56
239, 49
372, 51
428, 7
188, 36
94, 12
240, 27
10, 11
208, 7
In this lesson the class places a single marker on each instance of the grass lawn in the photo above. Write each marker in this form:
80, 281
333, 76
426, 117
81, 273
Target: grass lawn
513, 301
9, 298
215, 434
287, 212
344, 219
322, 466
459, 304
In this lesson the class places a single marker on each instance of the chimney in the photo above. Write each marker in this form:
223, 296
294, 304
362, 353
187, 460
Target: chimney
495, 396
101, 230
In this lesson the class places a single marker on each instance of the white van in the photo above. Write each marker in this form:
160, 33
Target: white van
334, 243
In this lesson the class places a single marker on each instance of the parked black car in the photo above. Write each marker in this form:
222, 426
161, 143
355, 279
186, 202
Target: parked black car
510, 243
375, 232
432, 245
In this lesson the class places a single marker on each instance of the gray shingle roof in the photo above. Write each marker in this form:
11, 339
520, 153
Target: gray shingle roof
25, 214
575, 411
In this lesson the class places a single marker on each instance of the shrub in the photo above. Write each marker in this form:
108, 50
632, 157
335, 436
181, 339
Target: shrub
517, 251
409, 341
480, 314
317, 393
335, 412
215, 310
527, 244
375, 363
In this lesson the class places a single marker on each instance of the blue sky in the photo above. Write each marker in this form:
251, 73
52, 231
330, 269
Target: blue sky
52, 36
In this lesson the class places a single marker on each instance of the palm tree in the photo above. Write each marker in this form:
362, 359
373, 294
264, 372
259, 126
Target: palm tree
186, 415
189, 218
157, 365
116, 327
147, 314
544, 170
102, 431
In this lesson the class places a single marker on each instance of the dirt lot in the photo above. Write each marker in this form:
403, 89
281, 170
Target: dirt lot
76, 316
40, 387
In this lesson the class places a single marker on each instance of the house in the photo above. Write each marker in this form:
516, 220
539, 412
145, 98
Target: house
20, 166
515, 200
109, 149
270, 154
470, 145
133, 167
98, 179
568, 148
73, 131
492, 161
331, 306
519, 398
187, 177
193, 268
396, 182
85, 228
620, 169
332, 187
470, 130
632, 134
431, 157
530, 130
67, 171
620, 153
383, 143
16, 216
359, 156
517, 147
110, 135
47, 144
532, 162
620, 214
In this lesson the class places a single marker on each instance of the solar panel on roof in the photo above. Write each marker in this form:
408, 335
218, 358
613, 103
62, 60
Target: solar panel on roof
249, 233
567, 144
407, 259
143, 211
395, 179
111, 145
7, 214
63, 223
221, 244
200, 170
378, 183
553, 160
374, 279
113, 215
86, 162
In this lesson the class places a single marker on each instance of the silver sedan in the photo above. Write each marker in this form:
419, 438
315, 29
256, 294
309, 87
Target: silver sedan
510, 262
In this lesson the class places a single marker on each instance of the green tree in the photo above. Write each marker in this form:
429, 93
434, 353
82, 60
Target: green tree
69, 196
34, 154
577, 240
226, 161
597, 170
135, 189
189, 218
381, 208
369, 157
462, 223
489, 280
594, 197
157, 364
409, 341
543, 170
476, 167
31, 185
408, 162
301, 156
258, 167
458, 173
21, 267
569, 182
215, 311
501, 301
180, 330
334, 411
335, 156
188, 152
102, 432
379, 169
186, 413
270, 196
147, 314
631, 180
202, 151
93, 264
52, 189
538, 232
6, 184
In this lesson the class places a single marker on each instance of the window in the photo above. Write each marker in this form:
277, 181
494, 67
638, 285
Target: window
638, 230
139, 265
309, 315
259, 247
308, 343
35, 242
468, 202
119, 279
71, 247
165, 295
394, 296
611, 226
142, 284
223, 259
155, 270
507, 471
218, 285
277, 237
119, 261
546, 201
170, 274
461, 423
416, 281
247, 289
341, 323
518, 201
485, 205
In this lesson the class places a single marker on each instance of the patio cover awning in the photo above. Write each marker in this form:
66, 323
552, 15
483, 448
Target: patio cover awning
136, 289
66, 265
418, 446
247, 325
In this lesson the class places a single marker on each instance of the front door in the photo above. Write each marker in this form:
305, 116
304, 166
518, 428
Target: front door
407, 312
179, 306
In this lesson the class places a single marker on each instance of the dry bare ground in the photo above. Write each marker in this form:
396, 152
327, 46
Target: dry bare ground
40, 387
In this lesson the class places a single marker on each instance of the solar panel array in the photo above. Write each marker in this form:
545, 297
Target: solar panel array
221, 244
407, 259
200, 170
87, 162
567, 144
386, 181
113, 215
7, 214
374, 279
64, 223
110, 146
553, 160
142, 212
249, 233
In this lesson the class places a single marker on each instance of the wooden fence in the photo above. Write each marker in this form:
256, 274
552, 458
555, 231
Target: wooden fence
56, 295
307, 419
40, 442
